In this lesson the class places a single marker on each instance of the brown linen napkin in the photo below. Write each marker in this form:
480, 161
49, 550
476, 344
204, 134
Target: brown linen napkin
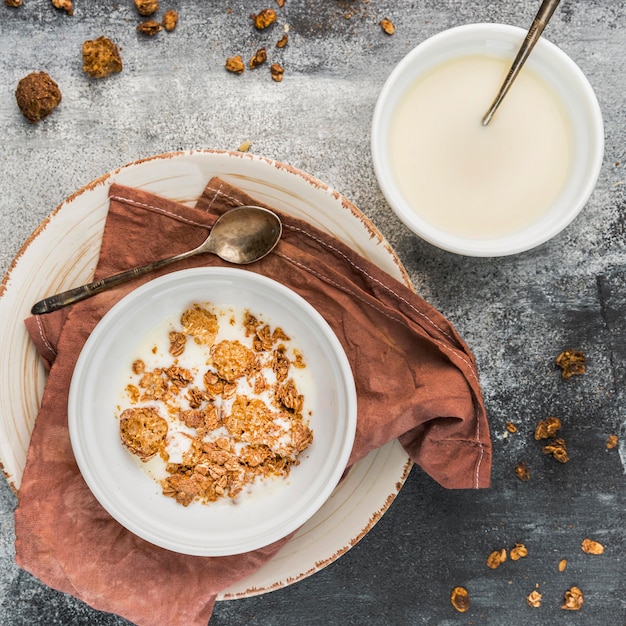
416, 380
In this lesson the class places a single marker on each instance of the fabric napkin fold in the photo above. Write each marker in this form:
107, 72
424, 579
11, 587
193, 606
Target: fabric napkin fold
416, 381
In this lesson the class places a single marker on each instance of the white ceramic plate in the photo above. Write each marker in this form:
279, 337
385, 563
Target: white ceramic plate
120, 482
63, 253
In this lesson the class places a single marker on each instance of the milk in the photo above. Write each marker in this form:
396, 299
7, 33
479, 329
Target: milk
475, 181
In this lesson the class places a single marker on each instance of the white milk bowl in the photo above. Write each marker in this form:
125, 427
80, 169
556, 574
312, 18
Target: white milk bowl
571, 91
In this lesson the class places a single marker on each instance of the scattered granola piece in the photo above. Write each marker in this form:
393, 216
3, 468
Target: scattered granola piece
518, 552
197, 397
235, 64
496, 558
522, 471
589, 546
252, 421
37, 96
260, 56
155, 386
177, 343
534, 599
460, 599
287, 397
573, 599
282, 42
244, 147
277, 72
571, 362
562, 565
231, 359
13, 3
263, 19
548, 428
558, 450
149, 27
147, 7
143, 431
262, 341
280, 3
611, 442
101, 58
387, 26
511, 427
133, 393
203, 421
170, 20
279, 334
201, 324
179, 376
280, 363
64, 5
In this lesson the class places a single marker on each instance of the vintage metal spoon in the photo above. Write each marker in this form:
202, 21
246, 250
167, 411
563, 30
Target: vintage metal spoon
542, 18
241, 235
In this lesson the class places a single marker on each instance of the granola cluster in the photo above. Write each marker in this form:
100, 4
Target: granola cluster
460, 599
573, 598
223, 411
571, 363
150, 27
548, 429
101, 57
264, 24
261, 21
548, 433
37, 96
497, 557
64, 5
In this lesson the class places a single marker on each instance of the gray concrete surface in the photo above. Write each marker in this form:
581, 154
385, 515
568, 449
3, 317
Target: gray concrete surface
517, 313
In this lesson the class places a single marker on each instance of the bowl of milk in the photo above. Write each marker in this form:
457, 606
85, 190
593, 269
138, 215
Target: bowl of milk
489, 190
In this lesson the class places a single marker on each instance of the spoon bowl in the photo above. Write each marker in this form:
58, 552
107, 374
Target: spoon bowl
242, 236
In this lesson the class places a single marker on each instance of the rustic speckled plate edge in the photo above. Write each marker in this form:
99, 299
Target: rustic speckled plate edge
62, 252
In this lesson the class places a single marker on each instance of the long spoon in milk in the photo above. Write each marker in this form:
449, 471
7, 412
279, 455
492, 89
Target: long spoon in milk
542, 18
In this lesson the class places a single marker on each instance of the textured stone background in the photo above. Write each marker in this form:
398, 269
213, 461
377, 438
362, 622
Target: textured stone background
516, 313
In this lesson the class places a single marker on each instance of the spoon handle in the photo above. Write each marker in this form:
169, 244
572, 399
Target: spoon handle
542, 18
65, 298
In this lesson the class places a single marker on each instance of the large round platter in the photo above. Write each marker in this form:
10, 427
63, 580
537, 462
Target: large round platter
63, 252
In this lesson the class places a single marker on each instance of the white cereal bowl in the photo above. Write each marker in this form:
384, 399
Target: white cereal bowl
570, 88
131, 495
